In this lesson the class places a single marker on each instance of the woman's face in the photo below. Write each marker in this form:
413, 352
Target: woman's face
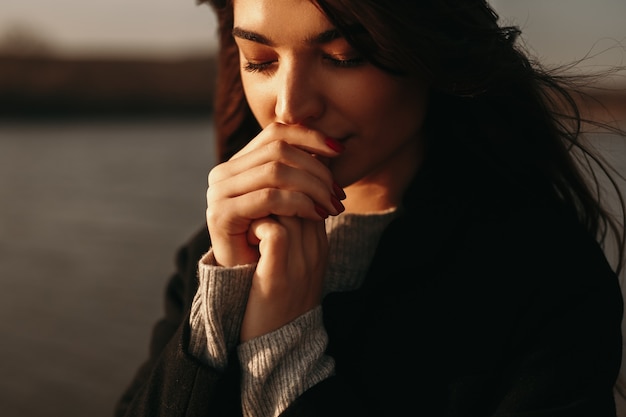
296, 69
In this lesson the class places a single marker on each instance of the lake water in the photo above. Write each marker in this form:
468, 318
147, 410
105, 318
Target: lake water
91, 214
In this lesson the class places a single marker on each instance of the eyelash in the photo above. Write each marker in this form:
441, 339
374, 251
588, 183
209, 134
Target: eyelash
339, 63
254, 67
345, 63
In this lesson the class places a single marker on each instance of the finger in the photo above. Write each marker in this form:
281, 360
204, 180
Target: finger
309, 140
273, 241
233, 215
277, 151
275, 175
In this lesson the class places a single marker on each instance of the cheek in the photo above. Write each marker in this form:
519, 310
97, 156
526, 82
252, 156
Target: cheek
390, 104
260, 100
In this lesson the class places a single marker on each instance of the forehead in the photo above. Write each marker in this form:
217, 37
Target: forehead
279, 17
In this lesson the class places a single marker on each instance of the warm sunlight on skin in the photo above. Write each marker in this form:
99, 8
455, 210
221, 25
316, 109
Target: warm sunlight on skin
296, 69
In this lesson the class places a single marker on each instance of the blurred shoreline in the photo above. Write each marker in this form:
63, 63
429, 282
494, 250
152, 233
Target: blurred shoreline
48, 86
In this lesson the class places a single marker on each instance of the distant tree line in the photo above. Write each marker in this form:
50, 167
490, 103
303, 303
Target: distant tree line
45, 85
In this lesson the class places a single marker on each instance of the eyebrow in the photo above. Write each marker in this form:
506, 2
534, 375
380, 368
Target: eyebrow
319, 39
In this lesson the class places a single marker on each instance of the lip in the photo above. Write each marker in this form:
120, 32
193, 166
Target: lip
340, 138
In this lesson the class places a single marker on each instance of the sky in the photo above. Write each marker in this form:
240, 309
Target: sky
83, 27
556, 31
561, 31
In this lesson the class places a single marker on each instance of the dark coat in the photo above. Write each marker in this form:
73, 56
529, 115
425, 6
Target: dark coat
485, 298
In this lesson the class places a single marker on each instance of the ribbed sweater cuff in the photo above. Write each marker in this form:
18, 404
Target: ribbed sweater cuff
218, 309
280, 366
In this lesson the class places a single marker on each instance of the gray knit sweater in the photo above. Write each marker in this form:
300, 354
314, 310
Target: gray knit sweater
279, 366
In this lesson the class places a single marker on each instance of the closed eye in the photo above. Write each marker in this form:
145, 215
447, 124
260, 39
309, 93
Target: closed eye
258, 66
253, 67
345, 63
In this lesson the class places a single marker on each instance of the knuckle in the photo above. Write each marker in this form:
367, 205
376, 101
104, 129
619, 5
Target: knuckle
274, 170
274, 128
268, 195
212, 216
278, 236
214, 175
210, 194
277, 147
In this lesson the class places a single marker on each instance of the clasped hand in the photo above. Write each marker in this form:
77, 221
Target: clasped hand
267, 204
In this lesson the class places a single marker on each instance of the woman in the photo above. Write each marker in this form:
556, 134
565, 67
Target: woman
397, 224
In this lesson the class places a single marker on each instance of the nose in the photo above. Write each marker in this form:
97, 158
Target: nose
299, 95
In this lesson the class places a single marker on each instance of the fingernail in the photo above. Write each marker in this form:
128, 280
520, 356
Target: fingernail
338, 206
334, 144
321, 211
339, 191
